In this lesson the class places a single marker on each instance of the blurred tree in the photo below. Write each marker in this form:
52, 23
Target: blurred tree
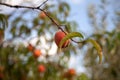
109, 40
29, 30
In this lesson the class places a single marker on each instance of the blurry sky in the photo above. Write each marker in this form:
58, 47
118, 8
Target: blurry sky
78, 13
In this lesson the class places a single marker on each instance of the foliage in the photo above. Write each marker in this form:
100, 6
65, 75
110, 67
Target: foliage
110, 42
17, 61
110, 68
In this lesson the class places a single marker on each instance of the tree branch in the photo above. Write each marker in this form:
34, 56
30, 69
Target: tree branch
38, 8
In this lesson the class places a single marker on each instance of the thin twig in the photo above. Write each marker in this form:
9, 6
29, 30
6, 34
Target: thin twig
29, 7
43, 3
38, 8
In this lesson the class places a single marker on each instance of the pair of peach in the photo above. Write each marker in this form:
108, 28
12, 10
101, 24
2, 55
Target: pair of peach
36, 52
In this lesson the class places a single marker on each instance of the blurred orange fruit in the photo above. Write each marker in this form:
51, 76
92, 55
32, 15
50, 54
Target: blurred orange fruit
30, 47
37, 53
72, 72
41, 68
42, 15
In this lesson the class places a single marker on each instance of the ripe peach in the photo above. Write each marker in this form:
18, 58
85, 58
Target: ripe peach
36, 53
71, 72
42, 15
30, 47
59, 35
41, 68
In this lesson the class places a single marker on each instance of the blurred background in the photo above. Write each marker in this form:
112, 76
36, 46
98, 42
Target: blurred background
28, 50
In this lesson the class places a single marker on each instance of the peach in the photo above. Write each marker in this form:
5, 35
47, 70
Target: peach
41, 68
30, 47
59, 35
36, 53
71, 72
42, 15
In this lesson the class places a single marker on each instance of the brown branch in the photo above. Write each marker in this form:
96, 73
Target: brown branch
38, 8
29, 7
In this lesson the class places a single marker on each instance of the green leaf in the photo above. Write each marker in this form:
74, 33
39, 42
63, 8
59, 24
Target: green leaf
64, 7
69, 36
3, 21
72, 26
98, 48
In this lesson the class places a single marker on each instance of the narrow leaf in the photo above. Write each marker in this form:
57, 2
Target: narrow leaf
3, 21
69, 36
98, 48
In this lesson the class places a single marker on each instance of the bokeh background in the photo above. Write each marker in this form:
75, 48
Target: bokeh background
97, 19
